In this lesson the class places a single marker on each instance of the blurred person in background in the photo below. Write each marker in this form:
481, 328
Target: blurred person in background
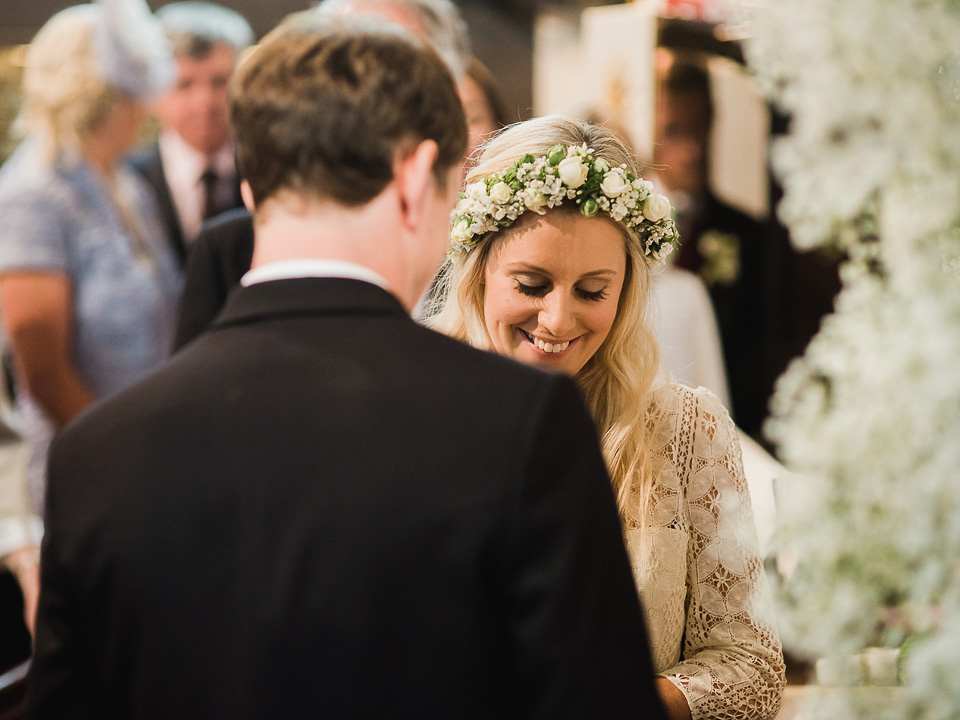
483, 104
88, 285
191, 167
224, 250
717, 242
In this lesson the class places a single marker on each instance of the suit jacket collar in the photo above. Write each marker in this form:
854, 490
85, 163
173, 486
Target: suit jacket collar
150, 165
307, 296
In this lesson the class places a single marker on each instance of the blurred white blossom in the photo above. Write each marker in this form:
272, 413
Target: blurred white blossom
870, 416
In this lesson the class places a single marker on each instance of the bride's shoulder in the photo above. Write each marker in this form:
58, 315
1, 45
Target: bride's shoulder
669, 403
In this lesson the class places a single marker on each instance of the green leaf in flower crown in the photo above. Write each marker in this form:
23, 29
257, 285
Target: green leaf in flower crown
589, 207
556, 154
592, 183
528, 158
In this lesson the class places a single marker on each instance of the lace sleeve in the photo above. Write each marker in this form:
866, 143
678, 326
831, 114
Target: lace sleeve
732, 664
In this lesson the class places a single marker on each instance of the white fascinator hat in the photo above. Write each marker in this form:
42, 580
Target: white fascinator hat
130, 51
132, 48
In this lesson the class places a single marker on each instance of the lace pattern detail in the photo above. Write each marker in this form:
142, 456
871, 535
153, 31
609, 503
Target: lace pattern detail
698, 567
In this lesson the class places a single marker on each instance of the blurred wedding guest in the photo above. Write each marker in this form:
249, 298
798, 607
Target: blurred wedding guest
191, 167
362, 518
224, 250
437, 22
682, 319
483, 104
719, 243
551, 251
88, 285
20, 534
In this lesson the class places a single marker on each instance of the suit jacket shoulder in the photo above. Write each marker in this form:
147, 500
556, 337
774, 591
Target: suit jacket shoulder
722, 216
219, 258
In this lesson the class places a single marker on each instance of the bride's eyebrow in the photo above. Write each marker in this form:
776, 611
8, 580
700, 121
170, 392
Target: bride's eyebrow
522, 266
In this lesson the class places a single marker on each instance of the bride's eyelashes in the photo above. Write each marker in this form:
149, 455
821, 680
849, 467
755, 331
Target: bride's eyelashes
594, 295
536, 291
539, 291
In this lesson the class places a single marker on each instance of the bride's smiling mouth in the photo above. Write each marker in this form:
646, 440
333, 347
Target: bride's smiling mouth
544, 346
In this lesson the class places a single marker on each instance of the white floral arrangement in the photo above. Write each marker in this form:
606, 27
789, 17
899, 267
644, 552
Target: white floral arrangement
721, 257
565, 173
869, 418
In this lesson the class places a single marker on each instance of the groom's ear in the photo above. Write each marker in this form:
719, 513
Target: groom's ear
413, 175
246, 193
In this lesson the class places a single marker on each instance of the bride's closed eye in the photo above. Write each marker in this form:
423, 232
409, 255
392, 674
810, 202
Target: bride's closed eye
539, 289
531, 288
531, 285
594, 295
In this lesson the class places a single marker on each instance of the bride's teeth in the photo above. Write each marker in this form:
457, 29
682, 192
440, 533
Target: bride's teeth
549, 347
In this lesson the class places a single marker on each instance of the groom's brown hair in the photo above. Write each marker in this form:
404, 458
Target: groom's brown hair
325, 105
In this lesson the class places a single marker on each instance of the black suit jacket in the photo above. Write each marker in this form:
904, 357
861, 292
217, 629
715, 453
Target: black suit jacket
220, 256
321, 509
150, 165
739, 306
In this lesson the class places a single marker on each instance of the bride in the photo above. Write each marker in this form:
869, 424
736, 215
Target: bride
550, 258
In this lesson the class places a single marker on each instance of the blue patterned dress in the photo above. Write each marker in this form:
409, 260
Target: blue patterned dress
58, 217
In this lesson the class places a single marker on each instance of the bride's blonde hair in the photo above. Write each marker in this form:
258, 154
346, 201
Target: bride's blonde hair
616, 381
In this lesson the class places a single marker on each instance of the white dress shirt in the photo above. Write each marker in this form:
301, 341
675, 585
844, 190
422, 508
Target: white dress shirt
289, 269
183, 166
682, 319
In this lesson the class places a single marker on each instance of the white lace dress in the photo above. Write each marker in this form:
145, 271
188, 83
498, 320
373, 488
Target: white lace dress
699, 570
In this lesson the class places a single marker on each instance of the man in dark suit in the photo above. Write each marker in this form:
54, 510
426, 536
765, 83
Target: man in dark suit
724, 246
191, 166
320, 508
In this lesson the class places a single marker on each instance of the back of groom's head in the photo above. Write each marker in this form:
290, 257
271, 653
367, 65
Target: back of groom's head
324, 106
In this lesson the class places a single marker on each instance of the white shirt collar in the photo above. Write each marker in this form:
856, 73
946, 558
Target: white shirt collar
289, 269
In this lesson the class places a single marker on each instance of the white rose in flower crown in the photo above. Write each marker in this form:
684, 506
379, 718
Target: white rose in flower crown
500, 193
476, 190
614, 183
534, 200
656, 207
572, 171
460, 233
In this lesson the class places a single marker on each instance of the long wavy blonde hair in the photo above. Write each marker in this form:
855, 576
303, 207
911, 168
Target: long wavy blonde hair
617, 380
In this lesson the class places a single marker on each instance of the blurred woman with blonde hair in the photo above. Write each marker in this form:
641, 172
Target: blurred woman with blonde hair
87, 286
550, 258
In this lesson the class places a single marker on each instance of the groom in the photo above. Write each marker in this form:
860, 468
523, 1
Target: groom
320, 508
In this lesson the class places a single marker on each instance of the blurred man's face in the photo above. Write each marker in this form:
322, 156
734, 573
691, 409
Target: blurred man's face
682, 132
479, 114
196, 107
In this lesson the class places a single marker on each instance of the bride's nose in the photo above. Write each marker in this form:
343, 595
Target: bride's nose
557, 315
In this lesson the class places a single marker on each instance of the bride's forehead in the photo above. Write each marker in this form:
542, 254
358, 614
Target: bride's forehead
562, 240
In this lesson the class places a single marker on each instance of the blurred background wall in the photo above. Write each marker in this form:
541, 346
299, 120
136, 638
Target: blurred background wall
501, 31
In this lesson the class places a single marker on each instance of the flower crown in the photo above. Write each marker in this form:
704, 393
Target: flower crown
564, 173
